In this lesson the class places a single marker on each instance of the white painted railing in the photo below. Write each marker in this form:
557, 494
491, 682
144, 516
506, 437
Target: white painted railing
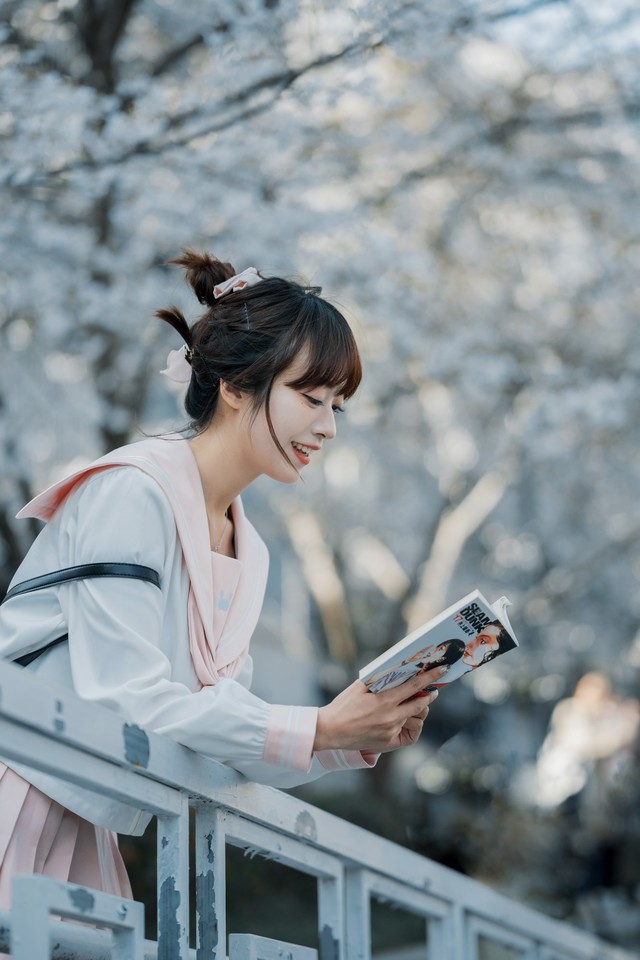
57, 732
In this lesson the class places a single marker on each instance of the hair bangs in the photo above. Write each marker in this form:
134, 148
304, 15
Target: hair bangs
333, 356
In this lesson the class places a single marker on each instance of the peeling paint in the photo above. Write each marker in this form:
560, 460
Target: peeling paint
136, 745
209, 839
168, 926
329, 944
164, 843
207, 916
306, 826
82, 900
252, 852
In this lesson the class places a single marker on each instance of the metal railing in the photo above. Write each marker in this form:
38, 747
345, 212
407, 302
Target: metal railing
55, 731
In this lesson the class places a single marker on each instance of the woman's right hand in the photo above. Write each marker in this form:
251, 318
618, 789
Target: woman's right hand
376, 722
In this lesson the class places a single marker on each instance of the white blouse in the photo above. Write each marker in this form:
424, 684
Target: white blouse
129, 647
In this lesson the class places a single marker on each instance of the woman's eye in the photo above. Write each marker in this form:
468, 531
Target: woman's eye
314, 401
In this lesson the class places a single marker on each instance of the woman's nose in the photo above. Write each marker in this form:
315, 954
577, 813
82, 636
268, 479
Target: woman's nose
326, 426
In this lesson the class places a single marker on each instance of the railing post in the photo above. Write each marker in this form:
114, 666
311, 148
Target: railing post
461, 948
357, 916
173, 885
331, 922
439, 941
211, 883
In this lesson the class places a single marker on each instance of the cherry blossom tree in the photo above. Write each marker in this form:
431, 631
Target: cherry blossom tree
462, 178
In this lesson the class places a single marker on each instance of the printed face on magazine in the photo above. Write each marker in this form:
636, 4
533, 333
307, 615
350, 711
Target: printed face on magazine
439, 651
485, 642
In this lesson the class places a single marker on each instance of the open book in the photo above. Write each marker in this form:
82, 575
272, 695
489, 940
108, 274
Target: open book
464, 636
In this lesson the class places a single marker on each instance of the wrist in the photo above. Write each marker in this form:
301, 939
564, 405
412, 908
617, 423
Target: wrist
322, 739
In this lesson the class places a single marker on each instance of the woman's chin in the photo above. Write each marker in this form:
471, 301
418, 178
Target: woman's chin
285, 474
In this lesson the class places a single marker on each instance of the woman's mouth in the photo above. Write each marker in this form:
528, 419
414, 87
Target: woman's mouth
302, 453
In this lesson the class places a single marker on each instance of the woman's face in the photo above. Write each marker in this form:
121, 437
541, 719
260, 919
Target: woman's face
439, 651
303, 420
485, 642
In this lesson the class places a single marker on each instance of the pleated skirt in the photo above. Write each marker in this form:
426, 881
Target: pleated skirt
38, 835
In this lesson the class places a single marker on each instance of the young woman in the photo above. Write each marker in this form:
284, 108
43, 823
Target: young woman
268, 366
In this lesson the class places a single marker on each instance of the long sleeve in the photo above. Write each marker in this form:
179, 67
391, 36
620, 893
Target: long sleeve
129, 647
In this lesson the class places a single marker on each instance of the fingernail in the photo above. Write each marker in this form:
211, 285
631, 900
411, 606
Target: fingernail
443, 669
434, 694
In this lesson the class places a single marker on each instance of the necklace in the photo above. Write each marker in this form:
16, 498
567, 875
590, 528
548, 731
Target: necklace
216, 549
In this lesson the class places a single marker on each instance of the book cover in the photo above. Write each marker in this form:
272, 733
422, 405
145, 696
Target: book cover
464, 636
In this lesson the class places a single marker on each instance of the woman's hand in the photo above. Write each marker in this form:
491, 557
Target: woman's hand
376, 722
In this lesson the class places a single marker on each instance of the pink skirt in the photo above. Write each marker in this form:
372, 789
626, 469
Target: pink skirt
38, 835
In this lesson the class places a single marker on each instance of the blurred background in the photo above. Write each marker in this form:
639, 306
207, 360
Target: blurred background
462, 179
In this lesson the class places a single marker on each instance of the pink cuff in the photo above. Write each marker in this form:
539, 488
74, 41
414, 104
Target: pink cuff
346, 759
290, 735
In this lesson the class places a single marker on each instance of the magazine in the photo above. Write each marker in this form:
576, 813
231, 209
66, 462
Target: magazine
464, 636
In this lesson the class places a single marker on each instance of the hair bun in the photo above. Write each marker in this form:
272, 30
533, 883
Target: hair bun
204, 273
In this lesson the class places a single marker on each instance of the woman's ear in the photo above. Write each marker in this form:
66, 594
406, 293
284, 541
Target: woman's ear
231, 395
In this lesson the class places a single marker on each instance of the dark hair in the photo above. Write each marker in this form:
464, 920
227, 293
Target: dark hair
453, 653
504, 638
249, 337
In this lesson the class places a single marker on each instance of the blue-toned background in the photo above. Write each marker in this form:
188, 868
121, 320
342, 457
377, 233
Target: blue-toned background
462, 179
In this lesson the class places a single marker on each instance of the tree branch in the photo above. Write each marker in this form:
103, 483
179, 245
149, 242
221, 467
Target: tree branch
100, 24
453, 531
325, 585
523, 10
501, 134
174, 56
275, 84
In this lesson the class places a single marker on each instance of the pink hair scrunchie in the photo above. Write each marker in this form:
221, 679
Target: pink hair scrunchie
248, 278
178, 367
